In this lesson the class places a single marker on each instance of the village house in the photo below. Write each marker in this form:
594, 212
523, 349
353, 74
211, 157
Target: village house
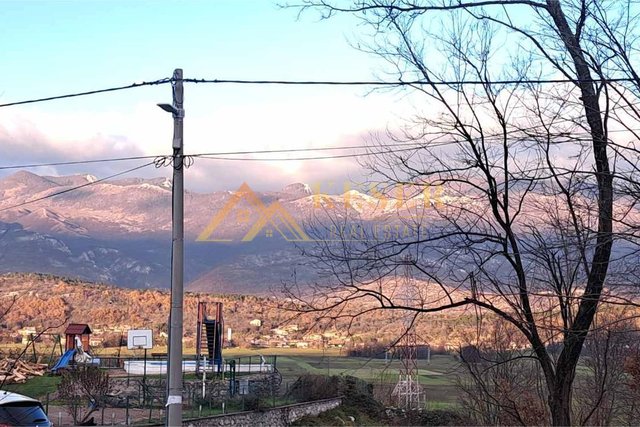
27, 333
280, 332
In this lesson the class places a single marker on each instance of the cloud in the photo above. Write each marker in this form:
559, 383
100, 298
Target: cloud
24, 143
30, 135
212, 175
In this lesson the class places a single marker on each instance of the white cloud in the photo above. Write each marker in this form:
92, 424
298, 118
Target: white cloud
30, 135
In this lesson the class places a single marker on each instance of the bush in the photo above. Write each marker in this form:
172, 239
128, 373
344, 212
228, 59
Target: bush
437, 417
356, 392
83, 390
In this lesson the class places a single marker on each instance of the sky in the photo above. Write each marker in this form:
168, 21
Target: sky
57, 47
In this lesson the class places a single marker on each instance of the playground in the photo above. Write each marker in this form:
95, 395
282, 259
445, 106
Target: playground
131, 387
436, 378
76, 340
129, 383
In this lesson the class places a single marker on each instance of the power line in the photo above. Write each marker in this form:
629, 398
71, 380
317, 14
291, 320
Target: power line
90, 92
301, 150
67, 190
409, 145
375, 151
77, 162
323, 83
220, 155
337, 156
161, 160
404, 83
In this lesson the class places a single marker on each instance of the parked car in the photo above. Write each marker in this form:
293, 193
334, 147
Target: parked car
19, 410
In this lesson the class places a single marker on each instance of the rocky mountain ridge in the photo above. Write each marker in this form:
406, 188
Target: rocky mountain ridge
118, 231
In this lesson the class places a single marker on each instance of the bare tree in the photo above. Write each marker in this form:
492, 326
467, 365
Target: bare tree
539, 180
606, 349
630, 411
84, 391
501, 383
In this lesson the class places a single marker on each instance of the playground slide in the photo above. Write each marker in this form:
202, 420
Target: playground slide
64, 360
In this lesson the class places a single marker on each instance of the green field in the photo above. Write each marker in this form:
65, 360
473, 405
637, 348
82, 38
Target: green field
36, 387
437, 377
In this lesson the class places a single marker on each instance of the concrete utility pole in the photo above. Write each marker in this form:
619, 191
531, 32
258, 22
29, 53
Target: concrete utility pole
174, 386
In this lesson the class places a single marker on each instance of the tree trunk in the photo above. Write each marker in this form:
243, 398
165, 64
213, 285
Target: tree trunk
560, 399
560, 392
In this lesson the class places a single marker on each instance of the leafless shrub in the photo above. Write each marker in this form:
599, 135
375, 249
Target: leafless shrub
501, 384
84, 390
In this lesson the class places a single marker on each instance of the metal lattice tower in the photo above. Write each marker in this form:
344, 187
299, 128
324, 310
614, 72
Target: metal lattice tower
408, 390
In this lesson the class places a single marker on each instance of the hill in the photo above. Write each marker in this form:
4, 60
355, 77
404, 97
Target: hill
119, 231
46, 301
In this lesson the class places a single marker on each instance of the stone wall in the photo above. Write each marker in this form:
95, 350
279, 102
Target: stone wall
279, 417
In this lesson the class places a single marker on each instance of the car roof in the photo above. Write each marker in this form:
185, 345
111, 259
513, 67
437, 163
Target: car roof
7, 397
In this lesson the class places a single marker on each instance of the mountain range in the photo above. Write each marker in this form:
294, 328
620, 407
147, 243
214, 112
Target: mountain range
119, 231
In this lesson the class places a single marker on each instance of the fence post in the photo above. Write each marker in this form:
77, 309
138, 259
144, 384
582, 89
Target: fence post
273, 396
151, 398
47, 407
126, 415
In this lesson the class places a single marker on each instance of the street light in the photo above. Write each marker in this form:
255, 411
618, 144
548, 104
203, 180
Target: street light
174, 368
169, 108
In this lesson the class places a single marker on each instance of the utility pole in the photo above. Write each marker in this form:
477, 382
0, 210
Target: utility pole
174, 386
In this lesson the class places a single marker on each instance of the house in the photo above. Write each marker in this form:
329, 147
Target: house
27, 333
280, 332
313, 337
330, 334
256, 322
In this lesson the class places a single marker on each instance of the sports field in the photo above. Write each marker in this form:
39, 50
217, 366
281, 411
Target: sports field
436, 376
